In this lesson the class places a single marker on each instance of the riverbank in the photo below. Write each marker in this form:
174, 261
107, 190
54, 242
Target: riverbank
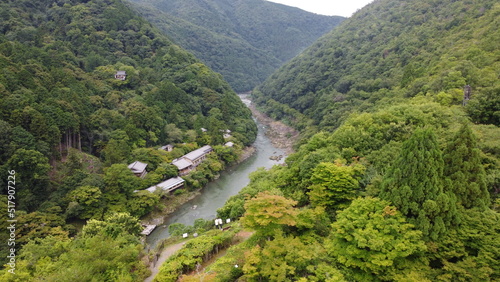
170, 204
204, 203
281, 135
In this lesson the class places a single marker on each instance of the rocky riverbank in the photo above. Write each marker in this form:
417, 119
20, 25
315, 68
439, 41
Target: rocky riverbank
282, 136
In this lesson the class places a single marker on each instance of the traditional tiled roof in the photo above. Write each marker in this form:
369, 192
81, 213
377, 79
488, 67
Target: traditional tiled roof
137, 167
182, 163
198, 153
167, 185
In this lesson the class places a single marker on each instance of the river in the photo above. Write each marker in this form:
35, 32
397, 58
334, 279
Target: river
216, 193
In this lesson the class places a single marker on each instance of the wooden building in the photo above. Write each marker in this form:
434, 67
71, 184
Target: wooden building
138, 168
168, 185
121, 75
191, 160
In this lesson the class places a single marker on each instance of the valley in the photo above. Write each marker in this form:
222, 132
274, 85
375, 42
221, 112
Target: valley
364, 149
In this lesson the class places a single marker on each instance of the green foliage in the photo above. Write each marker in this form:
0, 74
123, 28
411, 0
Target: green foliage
334, 185
267, 213
142, 203
485, 108
392, 104
31, 178
40, 224
472, 251
58, 92
401, 51
83, 259
85, 202
228, 155
414, 184
194, 252
467, 178
120, 183
113, 225
245, 41
374, 238
298, 257
177, 229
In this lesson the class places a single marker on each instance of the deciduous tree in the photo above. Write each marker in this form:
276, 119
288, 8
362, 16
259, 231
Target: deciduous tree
334, 185
267, 213
374, 238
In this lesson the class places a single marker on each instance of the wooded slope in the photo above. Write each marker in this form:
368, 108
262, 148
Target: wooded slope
243, 40
390, 51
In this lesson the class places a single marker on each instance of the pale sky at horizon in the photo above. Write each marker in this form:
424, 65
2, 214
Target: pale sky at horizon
327, 7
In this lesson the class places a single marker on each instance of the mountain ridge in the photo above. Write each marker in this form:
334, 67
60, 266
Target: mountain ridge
247, 40
410, 48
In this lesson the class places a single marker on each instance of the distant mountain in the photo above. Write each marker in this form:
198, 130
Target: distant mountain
390, 51
244, 40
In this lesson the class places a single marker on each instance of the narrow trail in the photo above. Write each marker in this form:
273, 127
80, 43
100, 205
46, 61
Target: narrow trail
165, 254
170, 250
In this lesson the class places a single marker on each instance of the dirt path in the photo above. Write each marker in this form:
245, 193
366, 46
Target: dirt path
170, 250
240, 237
165, 254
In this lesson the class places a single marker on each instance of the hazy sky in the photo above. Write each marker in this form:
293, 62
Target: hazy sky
343, 8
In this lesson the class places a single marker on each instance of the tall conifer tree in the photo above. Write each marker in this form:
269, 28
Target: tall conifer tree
466, 175
415, 184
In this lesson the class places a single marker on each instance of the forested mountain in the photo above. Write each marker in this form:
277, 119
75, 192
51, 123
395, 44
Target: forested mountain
394, 179
59, 90
391, 51
244, 40
69, 126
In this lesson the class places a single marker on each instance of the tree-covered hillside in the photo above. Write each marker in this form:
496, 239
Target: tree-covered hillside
390, 51
394, 179
59, 90
243, 40
69, 127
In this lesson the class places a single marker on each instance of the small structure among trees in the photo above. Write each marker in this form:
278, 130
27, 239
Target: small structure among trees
138, 168
167, 148
168, 185
192, 159
121, 75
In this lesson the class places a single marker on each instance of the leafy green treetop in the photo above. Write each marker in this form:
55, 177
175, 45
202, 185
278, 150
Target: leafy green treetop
114, 225
289, 258
334, 185
267, 213
374, 239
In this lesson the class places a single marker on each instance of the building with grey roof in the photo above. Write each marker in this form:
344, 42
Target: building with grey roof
138, 168
168, 185
192, 159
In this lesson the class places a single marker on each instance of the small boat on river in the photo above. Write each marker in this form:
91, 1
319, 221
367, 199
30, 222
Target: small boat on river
148, 229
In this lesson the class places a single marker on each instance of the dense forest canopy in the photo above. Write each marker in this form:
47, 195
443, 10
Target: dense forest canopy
396, 177
69, 127
244, 40
388, 52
